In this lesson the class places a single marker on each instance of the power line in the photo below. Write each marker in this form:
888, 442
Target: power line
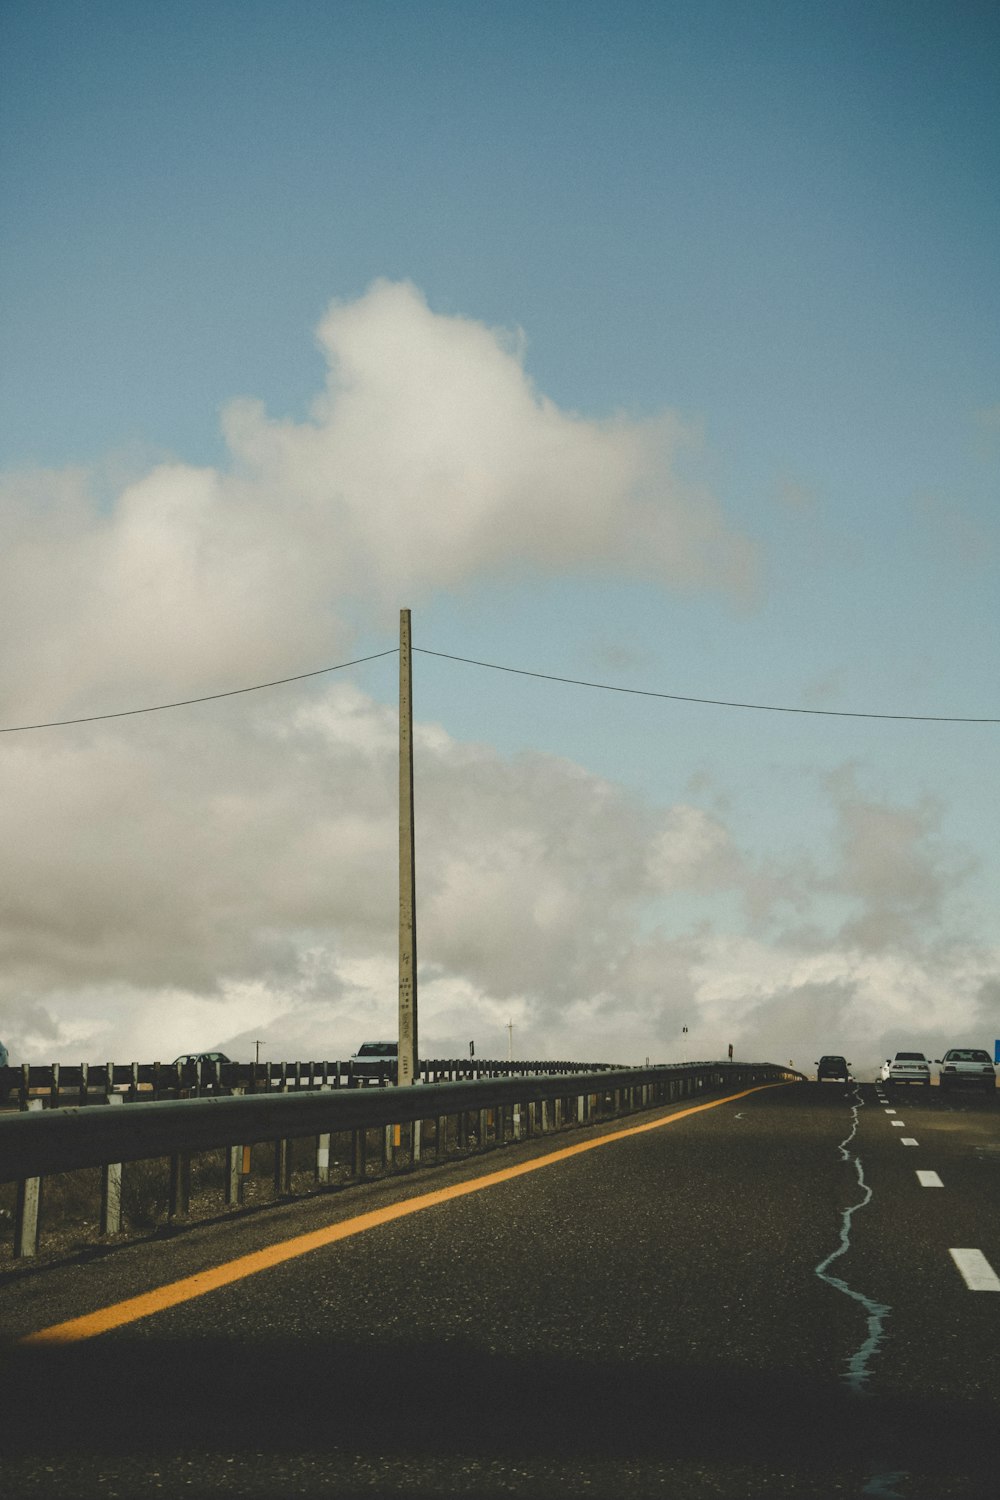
156, 708
605, 687
768, 708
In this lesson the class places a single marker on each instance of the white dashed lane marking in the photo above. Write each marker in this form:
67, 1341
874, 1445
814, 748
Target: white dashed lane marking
976, 1271
890, 1111
929, 1179
908, 1140
898, 1124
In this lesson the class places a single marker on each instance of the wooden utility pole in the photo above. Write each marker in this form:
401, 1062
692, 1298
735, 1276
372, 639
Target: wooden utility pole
407, 867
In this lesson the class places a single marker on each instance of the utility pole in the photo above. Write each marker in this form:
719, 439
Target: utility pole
408, 1054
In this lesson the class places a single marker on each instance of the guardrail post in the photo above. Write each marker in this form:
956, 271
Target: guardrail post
234, 1175
237, 1166
359, 1153
54, 1088
483, 1128
415, 1142
111, 1189
440, 1137
29, 1198
282, 1168
581, 1109
180, 1185
323, 1146
515, 1128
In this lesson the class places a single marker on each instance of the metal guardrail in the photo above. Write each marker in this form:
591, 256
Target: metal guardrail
81, 1082
38, 1141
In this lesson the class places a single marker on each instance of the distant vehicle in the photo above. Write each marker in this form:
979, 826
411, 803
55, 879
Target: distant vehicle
375, 1060
967, 1065
188, 1062
906, 1067
831, 1065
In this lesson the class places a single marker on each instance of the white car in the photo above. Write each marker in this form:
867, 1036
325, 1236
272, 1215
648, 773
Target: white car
967, 1065
906, 1067
376, 1060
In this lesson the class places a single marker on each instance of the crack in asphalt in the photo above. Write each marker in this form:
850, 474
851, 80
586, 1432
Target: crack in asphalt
859, 1364
882, 1476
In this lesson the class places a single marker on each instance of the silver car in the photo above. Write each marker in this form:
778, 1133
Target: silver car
906, 1067
376, 1060
969, 1066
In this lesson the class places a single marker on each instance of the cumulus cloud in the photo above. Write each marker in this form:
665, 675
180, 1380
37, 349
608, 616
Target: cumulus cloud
230, 877
894, 867
429, 461
227, 874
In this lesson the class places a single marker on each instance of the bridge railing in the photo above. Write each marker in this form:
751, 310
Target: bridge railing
481, 1114
84, 1083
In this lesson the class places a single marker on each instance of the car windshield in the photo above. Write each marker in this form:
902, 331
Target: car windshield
967, 1054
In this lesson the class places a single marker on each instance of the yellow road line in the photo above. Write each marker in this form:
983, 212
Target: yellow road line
189, 1287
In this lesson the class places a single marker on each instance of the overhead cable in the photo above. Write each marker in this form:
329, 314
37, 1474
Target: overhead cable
604, 687
156, 708
767, 708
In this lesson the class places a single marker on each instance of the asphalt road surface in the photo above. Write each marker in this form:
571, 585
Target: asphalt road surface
758, 1298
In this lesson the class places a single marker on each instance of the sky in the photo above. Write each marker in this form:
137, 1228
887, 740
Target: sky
651, 345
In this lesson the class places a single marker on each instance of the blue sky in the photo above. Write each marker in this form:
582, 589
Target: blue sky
759, 242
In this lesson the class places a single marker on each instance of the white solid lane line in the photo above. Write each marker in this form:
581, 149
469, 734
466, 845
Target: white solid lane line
908, 1140
977, 1273
929, 1179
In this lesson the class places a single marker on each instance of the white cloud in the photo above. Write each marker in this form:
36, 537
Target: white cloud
429, 461
228, 873
228, 877
894, 866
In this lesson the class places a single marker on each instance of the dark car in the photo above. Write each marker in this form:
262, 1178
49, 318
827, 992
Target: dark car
212, 1064
833, 1066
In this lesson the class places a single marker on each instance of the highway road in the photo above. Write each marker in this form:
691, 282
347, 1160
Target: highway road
754, 1297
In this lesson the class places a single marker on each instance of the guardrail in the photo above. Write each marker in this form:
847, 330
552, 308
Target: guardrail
92, 1082
492, 1111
